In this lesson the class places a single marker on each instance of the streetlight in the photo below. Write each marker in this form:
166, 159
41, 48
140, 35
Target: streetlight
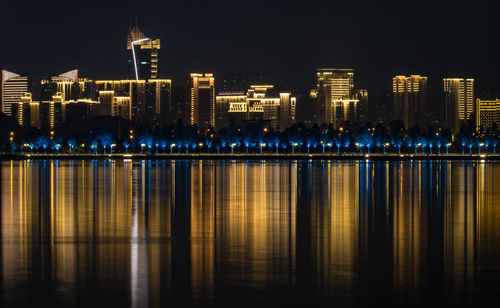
131, 137
113, 145
447, 146
480, 145
232, 147
386, 145
142, 148
11, 138
262, 145
171, 146
293, 148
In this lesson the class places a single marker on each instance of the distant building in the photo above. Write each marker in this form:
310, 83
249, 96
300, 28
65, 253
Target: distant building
459, 102
410, 100
487, 114
256, 105
149, 100
57, 111
115, 106
69, 85
335, 95
159, 108
143, 55
26, 111
362, 114
13, 87
202, 101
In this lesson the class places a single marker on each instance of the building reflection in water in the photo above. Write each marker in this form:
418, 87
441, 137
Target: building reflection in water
161, 232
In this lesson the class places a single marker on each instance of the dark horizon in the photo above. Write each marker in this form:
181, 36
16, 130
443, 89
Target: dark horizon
285, 39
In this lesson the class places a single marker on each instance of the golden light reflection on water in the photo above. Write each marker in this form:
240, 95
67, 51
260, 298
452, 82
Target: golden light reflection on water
159, 232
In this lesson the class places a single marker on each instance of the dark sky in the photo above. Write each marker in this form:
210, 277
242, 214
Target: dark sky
289, 39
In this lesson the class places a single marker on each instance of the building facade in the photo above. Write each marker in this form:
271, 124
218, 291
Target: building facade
410, 100
14, 86
487, 114
335, 96
459, 102
239, 108
143, 55
149, 101
202, 100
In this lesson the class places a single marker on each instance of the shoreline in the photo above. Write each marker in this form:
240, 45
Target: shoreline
254, 156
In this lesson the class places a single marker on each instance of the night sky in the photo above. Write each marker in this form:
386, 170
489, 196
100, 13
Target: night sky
288, 39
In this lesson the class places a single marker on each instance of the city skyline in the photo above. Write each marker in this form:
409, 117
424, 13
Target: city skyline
364, 31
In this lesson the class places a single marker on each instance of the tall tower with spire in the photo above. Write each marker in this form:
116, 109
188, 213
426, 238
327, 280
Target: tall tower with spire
143, 55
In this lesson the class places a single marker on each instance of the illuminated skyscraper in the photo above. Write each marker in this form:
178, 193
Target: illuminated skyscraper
487, 114
14, 87
336, 101
459, 101
143, 55
410, 100
202, 101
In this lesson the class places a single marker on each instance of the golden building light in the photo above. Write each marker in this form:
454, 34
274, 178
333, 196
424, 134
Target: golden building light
487, 113
410, 100
256, 104
202, 100
335, 95
459, 101
149, 100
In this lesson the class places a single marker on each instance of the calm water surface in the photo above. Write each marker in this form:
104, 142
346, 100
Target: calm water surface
163, 233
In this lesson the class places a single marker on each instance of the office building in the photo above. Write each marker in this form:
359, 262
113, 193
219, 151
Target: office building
149, 101
14, 86
362, 116
26, 111
143, 55
335, 96
410, 100
159, 107
257, 105
69, 85
115, 106
134, 89
459, 102
487, 114
202, 101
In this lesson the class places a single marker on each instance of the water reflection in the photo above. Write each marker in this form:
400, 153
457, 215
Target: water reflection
141, 233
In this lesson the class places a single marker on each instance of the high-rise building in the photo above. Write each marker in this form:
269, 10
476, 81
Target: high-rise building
459, 101
256, 105
159, 107
14, 87
143, 55
69, 85
487, 114
26, 111
149, 100
362, 112
202, 101
135, 89
336, 100
410, 100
